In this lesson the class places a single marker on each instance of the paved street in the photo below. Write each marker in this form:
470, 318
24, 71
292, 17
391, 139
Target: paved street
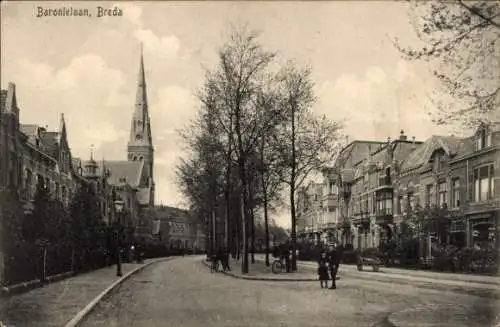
53, 305
184, 293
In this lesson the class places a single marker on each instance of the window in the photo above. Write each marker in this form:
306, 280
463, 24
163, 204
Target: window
400, 204
442, 193
40, 181
455, 185
374, 204
439, 161
483, 183
429, 195
56, 191
483, 139
411, 202
384, 204
63, 194
27, 183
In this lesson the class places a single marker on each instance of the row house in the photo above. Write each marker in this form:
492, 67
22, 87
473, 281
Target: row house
373, 190
34, 155
310, 217
447, 180
339, 181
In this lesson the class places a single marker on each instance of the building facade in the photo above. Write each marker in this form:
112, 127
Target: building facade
451, 183
178, 230
31, 155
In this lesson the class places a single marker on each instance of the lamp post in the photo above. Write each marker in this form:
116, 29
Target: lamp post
119, 210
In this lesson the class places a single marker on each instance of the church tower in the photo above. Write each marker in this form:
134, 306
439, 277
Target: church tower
140, 145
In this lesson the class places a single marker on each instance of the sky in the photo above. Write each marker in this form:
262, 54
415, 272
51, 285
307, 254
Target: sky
87, 68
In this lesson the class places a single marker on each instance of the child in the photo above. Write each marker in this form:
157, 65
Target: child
323, 270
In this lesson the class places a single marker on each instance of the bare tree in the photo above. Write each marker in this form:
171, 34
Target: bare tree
305, 142
235, 83
462, 46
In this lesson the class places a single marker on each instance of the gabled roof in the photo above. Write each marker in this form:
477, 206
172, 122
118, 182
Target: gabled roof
356, 151
450, 144
29, 130
50, 143
170, 213
130, 170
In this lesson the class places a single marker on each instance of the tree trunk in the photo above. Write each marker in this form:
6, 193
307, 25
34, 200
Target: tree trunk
292, 195
294, 230
252, 231
266, 229
244, 264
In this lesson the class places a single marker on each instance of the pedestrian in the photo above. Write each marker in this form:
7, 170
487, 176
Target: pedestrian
333, 263
323, 270
220, 257
226, 260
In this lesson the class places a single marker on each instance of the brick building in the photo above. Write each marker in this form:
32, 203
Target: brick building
380, 185
178, 230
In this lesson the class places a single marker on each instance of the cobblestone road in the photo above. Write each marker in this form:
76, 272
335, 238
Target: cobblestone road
184, 293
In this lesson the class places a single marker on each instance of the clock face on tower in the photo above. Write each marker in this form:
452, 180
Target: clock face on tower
138, 137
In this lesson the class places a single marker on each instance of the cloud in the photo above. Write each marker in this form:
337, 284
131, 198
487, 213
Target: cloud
173, 99
87, 88
164, 46
167, 46
131, 12
380, 102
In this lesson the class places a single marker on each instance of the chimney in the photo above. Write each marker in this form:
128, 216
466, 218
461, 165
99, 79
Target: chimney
402, 136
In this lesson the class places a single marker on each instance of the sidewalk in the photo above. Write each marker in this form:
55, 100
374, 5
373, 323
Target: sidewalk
56, 303
259, 271
450, 315
417, 279
482, 279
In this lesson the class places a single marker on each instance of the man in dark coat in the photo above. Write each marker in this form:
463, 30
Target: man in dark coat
225, 262
333, 263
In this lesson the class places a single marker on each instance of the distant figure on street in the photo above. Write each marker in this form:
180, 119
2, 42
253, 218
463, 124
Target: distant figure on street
225, 261
333, 263
323, 270
220, 257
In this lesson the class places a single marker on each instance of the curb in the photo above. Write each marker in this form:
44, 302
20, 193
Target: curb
89, 307
271, 279
21, 287
36, 283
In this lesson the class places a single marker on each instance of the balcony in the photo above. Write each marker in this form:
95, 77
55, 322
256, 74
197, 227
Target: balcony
331, 201
384, 217
361, 219
384, 182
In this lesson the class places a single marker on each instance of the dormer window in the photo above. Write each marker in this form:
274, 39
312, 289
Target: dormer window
483, 139
438, 160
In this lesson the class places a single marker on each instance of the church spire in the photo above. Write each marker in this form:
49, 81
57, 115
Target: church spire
62, 126
140, 129
141, 97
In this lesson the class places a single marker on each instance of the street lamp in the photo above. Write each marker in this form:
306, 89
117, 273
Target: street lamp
119, 210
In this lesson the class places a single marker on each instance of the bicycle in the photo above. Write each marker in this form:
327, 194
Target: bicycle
278, 266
